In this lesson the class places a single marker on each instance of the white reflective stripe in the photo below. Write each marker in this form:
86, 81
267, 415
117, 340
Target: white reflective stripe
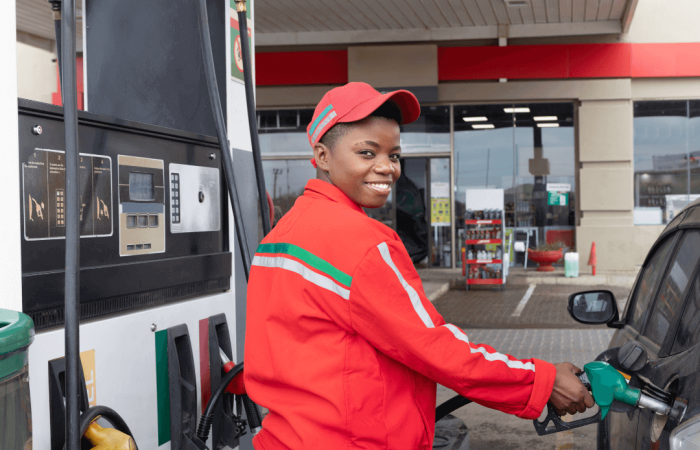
291, 265
323, 124
489, 356
412, 294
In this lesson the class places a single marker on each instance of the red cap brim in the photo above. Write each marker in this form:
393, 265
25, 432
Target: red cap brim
406, 102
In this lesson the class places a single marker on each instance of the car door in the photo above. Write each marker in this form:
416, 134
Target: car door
622, 427
672, 362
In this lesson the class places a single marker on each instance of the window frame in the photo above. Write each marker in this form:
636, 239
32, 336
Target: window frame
674, 236
667, 344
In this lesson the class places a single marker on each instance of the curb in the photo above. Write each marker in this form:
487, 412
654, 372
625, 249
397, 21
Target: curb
585, 280
439, 292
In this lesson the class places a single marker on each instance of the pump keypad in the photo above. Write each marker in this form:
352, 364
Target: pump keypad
175, 197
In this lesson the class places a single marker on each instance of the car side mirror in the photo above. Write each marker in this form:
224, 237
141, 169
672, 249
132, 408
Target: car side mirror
594, 307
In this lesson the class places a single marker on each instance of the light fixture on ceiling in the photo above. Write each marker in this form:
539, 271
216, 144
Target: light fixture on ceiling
516, 3
484, 126
548, 125
516, 110
543, 118
475, 119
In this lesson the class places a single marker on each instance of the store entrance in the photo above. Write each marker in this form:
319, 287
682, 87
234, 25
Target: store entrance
423, 205
527, 150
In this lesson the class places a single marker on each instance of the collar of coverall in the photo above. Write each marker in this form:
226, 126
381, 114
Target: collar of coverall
316, 188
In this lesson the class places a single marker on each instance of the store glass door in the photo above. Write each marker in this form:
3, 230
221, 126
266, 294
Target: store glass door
423, 205
528, 151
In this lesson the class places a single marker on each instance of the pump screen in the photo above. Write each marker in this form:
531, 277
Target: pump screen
141, 186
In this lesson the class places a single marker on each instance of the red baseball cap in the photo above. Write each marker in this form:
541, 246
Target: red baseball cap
354, 102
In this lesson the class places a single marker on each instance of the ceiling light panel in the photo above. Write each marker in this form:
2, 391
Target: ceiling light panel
516, 110
475, 119
516, 3
543, 118
548, 125
483, 126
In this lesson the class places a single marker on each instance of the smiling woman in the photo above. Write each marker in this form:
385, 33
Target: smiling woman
364, 162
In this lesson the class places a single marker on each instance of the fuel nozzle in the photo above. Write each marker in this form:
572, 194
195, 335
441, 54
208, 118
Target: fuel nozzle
607, 385
237, 387
108, 438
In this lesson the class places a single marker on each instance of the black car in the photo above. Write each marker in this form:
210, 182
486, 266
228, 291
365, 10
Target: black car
661, 327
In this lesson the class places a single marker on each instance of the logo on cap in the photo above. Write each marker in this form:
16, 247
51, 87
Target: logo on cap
321, 122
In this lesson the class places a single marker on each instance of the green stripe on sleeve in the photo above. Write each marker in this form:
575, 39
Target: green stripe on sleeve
162, 387
309, 258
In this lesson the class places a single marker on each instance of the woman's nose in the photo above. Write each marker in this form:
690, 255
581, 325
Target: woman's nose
384, 167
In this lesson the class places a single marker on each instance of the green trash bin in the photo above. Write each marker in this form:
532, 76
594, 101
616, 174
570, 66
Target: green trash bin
16, 333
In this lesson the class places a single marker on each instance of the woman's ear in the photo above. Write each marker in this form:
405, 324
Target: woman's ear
322, 156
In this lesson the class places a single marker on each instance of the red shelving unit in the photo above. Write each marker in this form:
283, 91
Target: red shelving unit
483, 222
487, 224
482, 241
485, 281
484, 261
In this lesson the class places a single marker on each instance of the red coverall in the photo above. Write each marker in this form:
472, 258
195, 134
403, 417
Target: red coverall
344, 348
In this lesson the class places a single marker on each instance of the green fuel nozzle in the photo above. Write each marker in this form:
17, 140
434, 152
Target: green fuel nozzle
606, 385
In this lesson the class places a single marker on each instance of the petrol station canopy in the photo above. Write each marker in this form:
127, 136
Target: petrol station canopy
327, 22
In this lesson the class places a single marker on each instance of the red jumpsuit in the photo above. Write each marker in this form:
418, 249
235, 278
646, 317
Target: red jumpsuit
343, 347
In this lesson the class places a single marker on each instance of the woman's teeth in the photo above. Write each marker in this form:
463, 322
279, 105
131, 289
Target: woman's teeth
380, 185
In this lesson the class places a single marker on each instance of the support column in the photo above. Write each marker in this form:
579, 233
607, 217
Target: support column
607, 193
10, 269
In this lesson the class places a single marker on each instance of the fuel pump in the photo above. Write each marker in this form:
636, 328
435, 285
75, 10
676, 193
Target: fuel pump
142, 210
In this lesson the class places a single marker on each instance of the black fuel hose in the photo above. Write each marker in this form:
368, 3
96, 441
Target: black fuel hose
106, 413
208, 415
252, 121
217, 112
449, 406
56, 12
72, 261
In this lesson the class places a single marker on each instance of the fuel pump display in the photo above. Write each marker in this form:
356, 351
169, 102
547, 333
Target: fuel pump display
141, 206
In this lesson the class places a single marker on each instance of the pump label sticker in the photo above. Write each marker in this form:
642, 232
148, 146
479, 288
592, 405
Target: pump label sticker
236, 51
44, 195
87, 359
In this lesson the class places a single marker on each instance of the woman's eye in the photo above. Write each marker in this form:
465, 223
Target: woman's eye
395, 156
367, 152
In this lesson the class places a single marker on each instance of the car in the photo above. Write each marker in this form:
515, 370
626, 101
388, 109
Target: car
657, 341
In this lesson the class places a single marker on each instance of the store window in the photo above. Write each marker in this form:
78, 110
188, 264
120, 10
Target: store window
666, 159
429, 134
528, 151
286, 153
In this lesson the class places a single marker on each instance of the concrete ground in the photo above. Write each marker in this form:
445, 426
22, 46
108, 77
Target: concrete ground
525, 326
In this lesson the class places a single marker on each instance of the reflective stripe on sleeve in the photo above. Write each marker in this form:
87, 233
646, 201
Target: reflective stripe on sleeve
459, 334
412, 294
309, 275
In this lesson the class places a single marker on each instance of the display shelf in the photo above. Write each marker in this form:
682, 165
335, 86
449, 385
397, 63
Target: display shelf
483, 222
484, 261
484, 252
484, 280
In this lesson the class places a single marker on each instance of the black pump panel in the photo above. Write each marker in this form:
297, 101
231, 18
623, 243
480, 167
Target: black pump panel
130, 255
